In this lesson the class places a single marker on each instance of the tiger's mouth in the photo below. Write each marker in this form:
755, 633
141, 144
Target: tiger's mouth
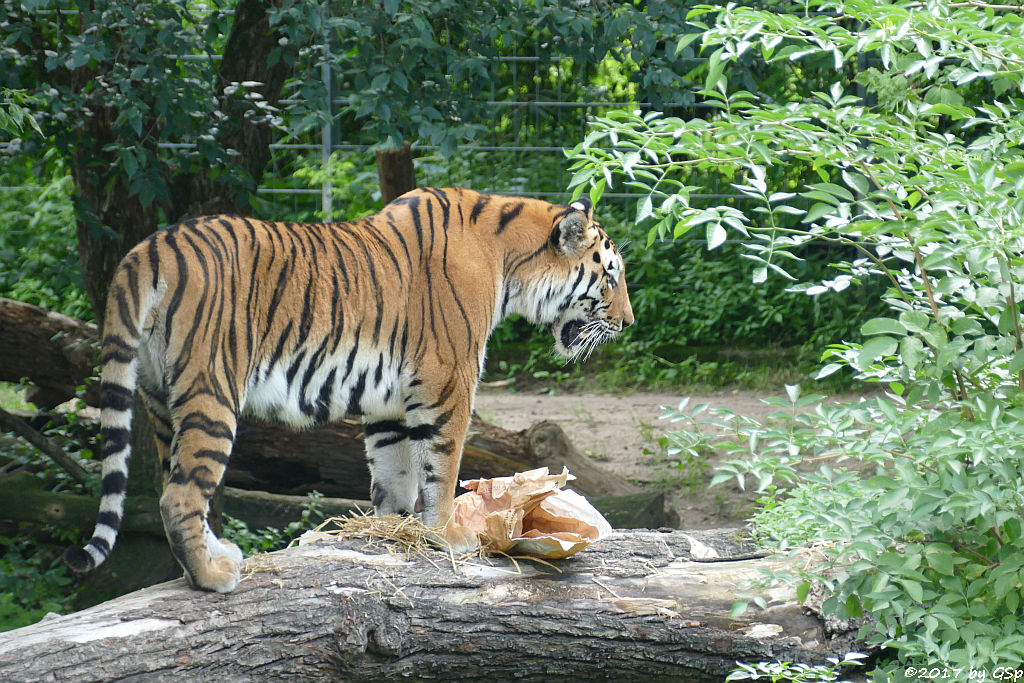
570, 333
577, 338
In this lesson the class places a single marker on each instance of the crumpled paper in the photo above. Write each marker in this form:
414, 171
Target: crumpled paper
530, 513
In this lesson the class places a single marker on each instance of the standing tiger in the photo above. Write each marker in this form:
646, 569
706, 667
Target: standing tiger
385, 317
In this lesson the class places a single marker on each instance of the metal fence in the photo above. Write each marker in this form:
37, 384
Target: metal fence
547, 122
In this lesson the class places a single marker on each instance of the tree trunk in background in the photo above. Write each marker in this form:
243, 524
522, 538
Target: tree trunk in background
112, 218
396, 172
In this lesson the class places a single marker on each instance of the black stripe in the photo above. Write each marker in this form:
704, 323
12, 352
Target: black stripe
352, 354
293, 369
100, 544
113, 439
115, 397
382, 426
507, 216
210, 454
414, 204
181, 479
422, 432
110, 519
324, 398
279, 350
216, 429
390, 440
445, 447
479, 207
117, 349
114, 483
356, 395
154, 260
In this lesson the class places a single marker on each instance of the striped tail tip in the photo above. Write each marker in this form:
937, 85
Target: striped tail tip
79, 559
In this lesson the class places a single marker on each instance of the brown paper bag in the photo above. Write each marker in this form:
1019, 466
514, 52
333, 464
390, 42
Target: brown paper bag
529, 513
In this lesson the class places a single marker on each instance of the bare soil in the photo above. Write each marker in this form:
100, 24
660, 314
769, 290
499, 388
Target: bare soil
621, 432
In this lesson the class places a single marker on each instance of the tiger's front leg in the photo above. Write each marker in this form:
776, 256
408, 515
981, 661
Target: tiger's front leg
394, 485
436, 438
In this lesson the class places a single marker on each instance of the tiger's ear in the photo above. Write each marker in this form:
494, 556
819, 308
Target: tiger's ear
584, 205
570, 235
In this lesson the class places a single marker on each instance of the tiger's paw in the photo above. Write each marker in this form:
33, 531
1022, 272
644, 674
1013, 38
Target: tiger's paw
221, 575
228, 549
459, 539
223, 570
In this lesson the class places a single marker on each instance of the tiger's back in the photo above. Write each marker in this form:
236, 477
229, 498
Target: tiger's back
386, 317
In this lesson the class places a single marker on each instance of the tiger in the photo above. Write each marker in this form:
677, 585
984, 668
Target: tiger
385, 318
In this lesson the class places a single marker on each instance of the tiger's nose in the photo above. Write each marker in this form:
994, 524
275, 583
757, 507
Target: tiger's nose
627, 321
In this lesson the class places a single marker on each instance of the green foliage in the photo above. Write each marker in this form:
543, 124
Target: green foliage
919, 489
39, 261
33, 580
15, 113
267, 539
797, 672
417, 70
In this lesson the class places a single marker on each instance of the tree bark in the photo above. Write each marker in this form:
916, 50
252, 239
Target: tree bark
395, 172
632, 607
57, 353
331, 459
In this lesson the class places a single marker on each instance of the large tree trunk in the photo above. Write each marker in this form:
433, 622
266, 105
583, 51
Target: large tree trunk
631, 607
113, 215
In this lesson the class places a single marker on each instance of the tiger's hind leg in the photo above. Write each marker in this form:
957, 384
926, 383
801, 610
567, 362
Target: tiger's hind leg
204, 433
163, 429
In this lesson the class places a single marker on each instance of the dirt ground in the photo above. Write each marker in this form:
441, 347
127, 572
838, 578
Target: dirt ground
621, 432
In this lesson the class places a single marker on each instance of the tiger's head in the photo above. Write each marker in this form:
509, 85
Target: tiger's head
591, 304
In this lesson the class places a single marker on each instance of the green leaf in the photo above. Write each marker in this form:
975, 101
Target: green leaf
913, 589
817, 211
827, 370
596, 190
882, 326
716, 67
911, 351
1014, 169
716, 235
738, 608
1017, 362
853, 608
874, 348
915, 321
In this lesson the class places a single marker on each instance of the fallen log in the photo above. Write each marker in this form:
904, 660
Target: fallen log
331, 459
632, 607
57, 353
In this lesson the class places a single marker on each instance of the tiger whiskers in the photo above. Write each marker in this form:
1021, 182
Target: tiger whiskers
591, 335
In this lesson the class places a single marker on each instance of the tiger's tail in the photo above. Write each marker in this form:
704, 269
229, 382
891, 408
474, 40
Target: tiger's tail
127, 308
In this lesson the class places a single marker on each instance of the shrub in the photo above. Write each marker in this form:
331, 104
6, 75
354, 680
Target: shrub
919, 489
